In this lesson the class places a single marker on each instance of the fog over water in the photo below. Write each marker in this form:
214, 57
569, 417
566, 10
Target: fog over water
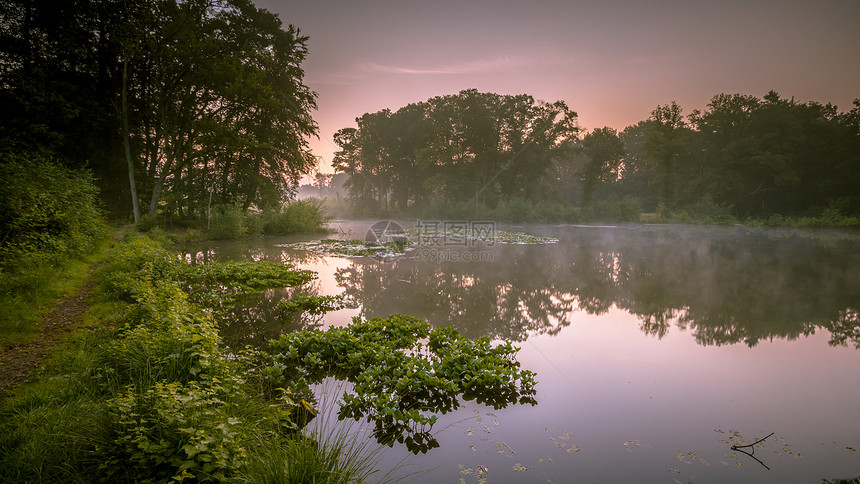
656, 347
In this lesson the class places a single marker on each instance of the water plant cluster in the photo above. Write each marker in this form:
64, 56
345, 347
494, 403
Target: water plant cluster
354, 248
403, 373
412, 239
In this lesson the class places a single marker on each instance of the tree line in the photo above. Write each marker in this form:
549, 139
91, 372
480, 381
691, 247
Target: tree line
173, 106
740, 157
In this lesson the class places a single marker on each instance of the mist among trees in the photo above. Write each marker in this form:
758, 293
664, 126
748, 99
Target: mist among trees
740, 157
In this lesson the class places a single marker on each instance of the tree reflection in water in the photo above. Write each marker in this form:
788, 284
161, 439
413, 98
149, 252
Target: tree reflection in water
723, 285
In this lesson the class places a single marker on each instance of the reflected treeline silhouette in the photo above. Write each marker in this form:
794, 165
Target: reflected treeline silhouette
723, 285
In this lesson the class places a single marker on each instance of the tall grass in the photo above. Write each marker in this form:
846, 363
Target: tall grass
330, 451
296, 217
32, 289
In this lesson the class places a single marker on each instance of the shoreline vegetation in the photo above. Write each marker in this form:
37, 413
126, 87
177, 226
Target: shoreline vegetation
144, 390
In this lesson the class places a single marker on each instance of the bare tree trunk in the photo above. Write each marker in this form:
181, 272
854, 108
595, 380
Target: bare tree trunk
156, 192
126, 143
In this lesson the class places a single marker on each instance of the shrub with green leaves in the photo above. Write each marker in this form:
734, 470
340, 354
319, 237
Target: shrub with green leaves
296, 217
48, 214
196, 431
399, 382
227, 222
46, 209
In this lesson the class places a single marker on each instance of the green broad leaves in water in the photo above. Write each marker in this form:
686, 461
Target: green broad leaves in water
403, 373
221, 283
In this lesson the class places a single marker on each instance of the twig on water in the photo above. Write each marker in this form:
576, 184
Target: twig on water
740, 448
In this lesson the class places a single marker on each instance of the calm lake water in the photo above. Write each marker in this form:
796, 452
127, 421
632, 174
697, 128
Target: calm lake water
656, 348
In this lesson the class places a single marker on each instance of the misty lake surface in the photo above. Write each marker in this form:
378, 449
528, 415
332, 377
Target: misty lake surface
656, 348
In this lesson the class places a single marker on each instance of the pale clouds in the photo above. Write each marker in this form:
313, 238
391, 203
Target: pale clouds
499, 63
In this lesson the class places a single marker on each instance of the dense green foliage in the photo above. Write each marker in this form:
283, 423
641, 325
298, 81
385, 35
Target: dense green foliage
49, 216
756, 157
397, 378
198, 102
47, 212
158, 399
295, 217
489, 156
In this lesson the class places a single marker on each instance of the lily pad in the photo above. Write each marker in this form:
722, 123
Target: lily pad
355, 248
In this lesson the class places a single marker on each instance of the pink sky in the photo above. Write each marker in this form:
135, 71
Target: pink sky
611, 61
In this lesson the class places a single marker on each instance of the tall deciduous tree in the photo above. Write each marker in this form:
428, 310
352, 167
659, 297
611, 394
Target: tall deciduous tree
221, 101
204, 97
603, 150
665, 146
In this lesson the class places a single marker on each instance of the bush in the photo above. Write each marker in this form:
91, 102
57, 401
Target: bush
296, 217
612, 209
709, 212
49, 213
174, 432
516, 210
146, 223
227, 222
830, 217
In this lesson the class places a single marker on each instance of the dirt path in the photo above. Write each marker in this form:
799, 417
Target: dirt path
18, 362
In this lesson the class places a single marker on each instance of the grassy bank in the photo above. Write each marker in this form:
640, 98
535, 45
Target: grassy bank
51, 232
148, 393
29, 293
306, 216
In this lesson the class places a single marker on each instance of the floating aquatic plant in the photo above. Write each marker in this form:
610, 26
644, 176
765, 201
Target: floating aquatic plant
413, 238
355, 248
403, 373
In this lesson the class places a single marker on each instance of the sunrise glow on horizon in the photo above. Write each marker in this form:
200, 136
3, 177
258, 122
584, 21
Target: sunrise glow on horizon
611, 62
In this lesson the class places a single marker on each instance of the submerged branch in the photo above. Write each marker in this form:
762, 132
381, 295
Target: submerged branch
752, 447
